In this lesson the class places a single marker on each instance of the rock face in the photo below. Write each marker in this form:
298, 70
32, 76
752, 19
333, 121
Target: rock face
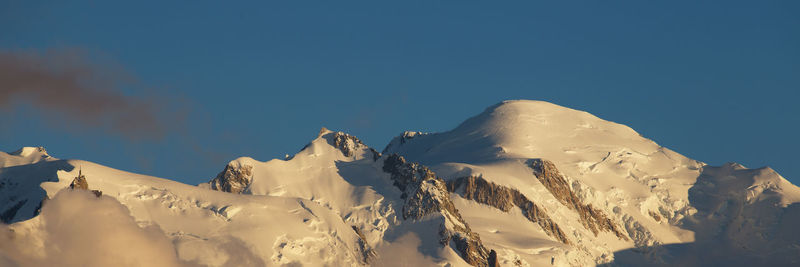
348, 144
426, 194
493, 259
591, 218
479, 190
654, 215
235, 178
366, 252
79, 182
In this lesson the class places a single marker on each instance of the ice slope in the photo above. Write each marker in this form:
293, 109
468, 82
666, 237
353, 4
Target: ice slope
205, 225
20, 196
24, 156
607, 154
337, 171
644, 187
545, 185
317, 208
323, 174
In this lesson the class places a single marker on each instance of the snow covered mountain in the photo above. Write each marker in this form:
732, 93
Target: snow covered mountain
525, 183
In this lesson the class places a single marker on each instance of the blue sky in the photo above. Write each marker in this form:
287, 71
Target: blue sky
716, 81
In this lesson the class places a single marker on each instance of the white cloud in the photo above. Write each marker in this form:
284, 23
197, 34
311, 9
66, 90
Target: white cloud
403, 252
76, 228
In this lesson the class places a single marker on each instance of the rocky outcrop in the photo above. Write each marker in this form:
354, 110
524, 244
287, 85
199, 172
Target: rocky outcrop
591, 218
349, 144
425, 194
654, 215
493, 259
235, 178
504, 198
366, 252
80, 183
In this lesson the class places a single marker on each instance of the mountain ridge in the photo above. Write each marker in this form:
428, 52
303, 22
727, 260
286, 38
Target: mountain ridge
587, 192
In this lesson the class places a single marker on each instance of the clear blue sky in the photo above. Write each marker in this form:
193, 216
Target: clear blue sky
717, 81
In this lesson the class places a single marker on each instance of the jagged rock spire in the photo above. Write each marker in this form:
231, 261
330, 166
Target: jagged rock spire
79, 182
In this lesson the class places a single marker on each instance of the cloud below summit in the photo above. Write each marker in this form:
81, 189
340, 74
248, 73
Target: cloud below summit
76, 228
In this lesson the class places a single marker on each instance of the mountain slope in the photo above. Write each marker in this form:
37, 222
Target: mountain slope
642, 187
384, 197
205, 225
524, 183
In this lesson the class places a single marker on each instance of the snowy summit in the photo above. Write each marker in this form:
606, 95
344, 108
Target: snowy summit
524, 183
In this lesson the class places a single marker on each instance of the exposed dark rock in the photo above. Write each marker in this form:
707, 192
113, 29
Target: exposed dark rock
505, 198
481, 191
427, 194
79, 182
654, 215
97, 193
346, 143
427, 199
467, 243
366, 252
349, 144
233, 179
404, 173
591, 218
493, 259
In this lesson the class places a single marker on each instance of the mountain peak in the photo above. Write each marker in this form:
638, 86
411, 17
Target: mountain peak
524, 115
25, 155
349, 145
30, 151
323, 131
236, 177
525, 102
522, 129
523, 183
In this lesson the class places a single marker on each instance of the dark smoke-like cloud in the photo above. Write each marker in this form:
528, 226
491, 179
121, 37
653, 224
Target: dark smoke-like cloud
69, 85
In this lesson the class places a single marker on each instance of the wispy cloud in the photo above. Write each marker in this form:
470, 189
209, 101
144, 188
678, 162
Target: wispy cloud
69, 85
